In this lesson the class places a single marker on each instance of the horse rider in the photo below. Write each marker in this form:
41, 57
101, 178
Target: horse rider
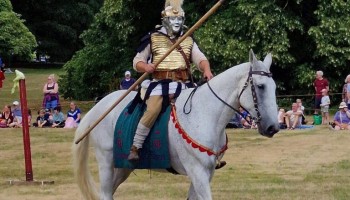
174, 68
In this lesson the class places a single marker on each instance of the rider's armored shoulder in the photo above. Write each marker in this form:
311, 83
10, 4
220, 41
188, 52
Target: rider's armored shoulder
145, 40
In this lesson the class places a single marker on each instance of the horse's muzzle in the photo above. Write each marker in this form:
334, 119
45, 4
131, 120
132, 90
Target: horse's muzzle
269, 131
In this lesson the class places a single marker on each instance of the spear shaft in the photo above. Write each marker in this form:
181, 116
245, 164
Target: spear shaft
144, 76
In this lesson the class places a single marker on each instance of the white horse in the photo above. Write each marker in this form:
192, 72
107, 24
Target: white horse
212, 108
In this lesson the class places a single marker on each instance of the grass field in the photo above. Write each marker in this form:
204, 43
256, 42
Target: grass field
299, 164
311, 164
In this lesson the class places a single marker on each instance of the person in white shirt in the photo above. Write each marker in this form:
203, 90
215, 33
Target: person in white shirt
325, 101
301, 108
293, 117
281, 118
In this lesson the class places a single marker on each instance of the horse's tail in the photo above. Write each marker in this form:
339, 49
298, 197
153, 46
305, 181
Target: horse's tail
82, 173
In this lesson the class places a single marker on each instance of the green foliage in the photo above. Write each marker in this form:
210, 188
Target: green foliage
332, 37
5, 5
109, 49
90, 71
303, 36
57, 25
15, 37
243, 25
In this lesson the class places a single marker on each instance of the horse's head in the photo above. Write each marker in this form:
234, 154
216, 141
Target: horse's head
259, 98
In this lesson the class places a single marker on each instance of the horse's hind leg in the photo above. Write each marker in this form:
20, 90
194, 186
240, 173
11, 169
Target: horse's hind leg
110, 177
106, 173
120, 175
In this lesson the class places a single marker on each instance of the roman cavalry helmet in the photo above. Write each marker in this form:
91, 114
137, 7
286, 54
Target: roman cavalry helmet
173, 9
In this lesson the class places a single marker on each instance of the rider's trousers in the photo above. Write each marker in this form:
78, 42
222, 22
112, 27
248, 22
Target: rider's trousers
154, 106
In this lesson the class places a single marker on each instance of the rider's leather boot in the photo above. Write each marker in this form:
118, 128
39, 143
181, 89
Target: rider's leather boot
220, 164
141, 134
134, 154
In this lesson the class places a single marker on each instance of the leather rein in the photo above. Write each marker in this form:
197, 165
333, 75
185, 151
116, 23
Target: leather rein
255, 99
257, 119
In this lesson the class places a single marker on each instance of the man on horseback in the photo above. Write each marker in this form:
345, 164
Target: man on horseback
173, 70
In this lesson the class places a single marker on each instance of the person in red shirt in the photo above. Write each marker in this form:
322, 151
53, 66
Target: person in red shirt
320, 83
2, 76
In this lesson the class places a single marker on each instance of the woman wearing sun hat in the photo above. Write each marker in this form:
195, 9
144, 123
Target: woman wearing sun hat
342, 118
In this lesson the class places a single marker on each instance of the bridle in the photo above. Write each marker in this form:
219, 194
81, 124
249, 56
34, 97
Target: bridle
255, 99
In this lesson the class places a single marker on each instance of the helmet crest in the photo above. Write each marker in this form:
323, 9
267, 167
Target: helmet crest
173, 8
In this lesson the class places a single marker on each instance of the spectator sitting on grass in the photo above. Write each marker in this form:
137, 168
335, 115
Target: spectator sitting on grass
48, 115
17, 113
73, 116
342, 117
301, 108
293, 117
58, 118
246, 120
281, 118
19, 124
235, 122
6, 117
42, 120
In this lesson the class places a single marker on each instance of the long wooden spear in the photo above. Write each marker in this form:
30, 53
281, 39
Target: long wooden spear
144, 76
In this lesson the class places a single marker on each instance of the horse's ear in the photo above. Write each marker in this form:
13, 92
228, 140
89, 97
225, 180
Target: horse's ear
268, 60
252, 58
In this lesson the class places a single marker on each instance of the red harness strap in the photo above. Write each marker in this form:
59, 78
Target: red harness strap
191, 141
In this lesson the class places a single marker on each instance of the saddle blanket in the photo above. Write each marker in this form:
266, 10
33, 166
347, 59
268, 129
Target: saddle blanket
154, 153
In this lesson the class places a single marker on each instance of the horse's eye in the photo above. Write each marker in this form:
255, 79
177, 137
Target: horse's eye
261, 86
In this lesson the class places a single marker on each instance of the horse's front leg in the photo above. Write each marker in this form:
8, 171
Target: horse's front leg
106, 173
200, 183
192, 193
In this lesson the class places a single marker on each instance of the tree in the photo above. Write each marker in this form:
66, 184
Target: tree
15, 38
332, 37
259, 25
57, 25
109, 47
303, 36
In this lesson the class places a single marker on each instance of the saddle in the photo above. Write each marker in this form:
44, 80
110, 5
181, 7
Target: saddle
155, 151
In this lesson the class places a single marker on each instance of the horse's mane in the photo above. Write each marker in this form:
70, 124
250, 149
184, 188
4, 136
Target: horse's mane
234, 71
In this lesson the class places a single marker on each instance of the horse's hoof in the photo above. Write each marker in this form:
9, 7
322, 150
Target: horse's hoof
134, 154
221, 164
